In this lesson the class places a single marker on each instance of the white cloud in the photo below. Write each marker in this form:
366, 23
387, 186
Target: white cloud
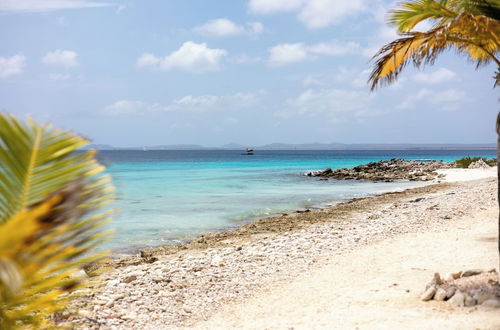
190, 57
59, 76
129, 107
189, 103
313, 13
335, 47
436, 77
285, 54
322, 13
447, 100
147, 60
273, 6
331, 102
36, 6
220, 27
12, 66
65, 58
450, 95
223, 27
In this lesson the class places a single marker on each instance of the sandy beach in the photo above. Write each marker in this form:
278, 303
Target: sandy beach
361, 264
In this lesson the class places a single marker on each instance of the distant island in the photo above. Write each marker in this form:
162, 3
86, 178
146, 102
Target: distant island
307, 146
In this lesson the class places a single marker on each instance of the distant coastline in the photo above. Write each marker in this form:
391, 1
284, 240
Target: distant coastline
310, 146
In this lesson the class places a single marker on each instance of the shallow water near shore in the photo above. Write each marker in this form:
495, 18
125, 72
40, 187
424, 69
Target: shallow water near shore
169, 197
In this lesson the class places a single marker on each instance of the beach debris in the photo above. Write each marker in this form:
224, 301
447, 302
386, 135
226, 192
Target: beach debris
465, 289
387, 171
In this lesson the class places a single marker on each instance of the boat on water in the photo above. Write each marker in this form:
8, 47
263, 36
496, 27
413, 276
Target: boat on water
248, 152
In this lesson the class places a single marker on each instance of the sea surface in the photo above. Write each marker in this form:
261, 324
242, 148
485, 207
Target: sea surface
169, 197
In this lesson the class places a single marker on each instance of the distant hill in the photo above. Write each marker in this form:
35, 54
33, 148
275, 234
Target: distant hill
305, 146
233, 146
99, 147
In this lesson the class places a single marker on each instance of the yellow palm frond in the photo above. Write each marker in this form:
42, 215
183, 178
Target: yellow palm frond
475, 36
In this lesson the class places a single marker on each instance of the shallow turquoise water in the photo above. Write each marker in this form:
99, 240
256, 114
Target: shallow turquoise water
167, 197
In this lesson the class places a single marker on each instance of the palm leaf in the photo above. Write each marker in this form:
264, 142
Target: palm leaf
50, 202
475, 36
39, 161
413, 12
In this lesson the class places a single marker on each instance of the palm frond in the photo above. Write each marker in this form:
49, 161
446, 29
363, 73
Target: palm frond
415, 47
413, 12
487, 8
39, 161
473, 36
50, 233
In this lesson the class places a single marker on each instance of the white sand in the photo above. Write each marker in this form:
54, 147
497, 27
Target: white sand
378, 286
467, 174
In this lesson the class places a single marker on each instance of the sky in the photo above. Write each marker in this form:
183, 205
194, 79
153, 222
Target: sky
211, 72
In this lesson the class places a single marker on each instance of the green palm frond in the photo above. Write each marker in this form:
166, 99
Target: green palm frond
37, 162
51, 218
487, 8
414, 12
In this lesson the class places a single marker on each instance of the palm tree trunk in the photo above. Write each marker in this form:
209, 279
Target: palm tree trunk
498, 178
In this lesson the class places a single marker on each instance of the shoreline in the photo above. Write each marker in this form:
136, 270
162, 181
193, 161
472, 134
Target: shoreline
192, 282
278, 222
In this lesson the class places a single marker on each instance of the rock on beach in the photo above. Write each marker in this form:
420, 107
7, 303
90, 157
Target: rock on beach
387, 171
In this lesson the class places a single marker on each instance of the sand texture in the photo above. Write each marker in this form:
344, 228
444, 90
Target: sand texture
362, 263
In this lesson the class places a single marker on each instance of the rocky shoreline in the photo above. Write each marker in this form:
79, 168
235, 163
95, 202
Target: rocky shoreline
186, 284
387, 171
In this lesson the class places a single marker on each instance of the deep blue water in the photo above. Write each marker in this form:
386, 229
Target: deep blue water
166, 197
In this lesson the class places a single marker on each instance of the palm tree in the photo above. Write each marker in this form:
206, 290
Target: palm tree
470, 27
50, 200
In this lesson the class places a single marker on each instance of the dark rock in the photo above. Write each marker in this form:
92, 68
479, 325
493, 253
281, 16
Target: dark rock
388, 171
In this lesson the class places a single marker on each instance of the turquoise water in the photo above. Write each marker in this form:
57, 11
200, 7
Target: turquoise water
167, 197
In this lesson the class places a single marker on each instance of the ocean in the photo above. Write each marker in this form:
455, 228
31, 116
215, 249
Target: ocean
169, 197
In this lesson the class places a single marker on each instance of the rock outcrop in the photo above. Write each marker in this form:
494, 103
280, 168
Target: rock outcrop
387, 171
465, 289
479, 164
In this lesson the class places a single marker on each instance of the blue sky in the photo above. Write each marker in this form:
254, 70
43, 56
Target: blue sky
132, 73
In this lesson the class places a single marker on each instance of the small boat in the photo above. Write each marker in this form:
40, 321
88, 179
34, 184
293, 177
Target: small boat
249, 152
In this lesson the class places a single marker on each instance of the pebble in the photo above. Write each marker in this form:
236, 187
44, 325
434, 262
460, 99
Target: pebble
469, 301
440, 294
458, 299
157, 297
492, 303
428, 294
